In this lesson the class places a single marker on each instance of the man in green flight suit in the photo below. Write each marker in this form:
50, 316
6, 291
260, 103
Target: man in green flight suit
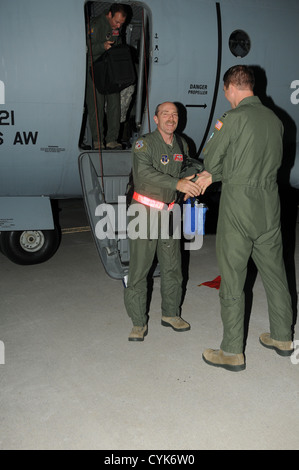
104, 33
159, 171
245, 153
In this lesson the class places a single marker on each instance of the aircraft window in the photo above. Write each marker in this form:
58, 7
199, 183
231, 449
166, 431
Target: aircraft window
239, 43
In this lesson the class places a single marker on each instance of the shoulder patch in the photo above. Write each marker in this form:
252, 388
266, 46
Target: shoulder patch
139, 144
218, 125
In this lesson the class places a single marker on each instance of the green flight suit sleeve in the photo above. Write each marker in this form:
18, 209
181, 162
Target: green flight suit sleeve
216, 148
99, 31
97, 36
191, 166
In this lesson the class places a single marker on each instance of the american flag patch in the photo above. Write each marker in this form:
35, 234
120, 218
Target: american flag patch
218, 125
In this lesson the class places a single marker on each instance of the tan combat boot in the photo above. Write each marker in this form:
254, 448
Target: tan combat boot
113, 146
176, 323
283, 348
138, 333
217, 358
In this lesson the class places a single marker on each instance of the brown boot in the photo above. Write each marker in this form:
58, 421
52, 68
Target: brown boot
138, 333
283, 348
113, 146
176, 323
216, 357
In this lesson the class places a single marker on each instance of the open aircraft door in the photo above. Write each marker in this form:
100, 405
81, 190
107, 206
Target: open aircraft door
105, 173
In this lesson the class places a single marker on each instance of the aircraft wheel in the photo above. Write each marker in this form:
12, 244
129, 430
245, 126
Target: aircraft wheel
30, 246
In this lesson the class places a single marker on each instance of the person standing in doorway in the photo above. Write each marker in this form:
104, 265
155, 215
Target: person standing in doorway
104, 33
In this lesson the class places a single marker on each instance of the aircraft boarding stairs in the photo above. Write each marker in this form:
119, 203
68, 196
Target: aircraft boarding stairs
104, 184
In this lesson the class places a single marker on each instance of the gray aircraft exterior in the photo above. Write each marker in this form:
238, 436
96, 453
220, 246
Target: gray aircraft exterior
182, 49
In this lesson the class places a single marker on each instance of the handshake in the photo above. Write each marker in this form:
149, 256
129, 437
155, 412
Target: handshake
194, 188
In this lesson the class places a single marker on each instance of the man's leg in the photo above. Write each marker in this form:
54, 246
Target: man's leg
170, 261
113, 118
233, 251
268, 257
142, 253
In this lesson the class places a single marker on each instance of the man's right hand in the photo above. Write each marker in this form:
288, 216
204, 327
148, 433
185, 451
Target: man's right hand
108, 45
203, 181
185, 185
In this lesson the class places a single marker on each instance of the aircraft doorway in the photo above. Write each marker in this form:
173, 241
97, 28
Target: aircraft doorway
135, 33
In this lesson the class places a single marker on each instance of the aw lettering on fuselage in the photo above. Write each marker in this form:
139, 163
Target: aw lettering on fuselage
7, 118
295, 94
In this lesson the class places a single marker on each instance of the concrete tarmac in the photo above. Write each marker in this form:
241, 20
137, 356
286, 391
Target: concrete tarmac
70, 379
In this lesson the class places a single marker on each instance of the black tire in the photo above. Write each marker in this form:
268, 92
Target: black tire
30, 246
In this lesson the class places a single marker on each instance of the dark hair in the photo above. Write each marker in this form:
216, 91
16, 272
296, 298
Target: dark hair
157, 109
240, 76
118, 8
